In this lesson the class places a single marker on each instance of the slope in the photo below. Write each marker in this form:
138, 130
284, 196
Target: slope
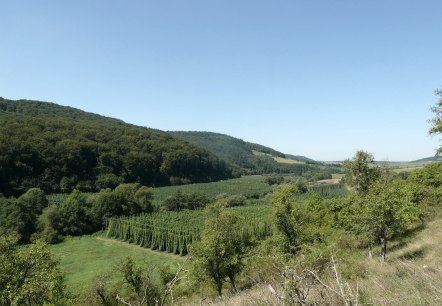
244, 157
59, 148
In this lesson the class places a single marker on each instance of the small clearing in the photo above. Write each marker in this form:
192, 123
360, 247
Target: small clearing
287, 161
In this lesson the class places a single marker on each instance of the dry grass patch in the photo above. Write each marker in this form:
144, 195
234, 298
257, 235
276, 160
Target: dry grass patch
287, 161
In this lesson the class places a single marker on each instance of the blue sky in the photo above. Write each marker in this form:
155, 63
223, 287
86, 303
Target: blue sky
315, 78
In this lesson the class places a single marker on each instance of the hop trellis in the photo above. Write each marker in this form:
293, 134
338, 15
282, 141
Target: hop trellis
173, 232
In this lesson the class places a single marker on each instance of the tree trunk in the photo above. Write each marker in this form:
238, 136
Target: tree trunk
232, 284
383, 241
219, 287
370, 250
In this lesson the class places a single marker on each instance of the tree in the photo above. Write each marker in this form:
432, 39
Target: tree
361, 172
149, 285
50, 225
219, 254
144, 197
76, 215
274, 179
436, 121
298, 220
20, 215
28, 276
388, 210
181, 200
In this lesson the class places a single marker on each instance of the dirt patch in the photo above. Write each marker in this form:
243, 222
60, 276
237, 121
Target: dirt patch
329, 181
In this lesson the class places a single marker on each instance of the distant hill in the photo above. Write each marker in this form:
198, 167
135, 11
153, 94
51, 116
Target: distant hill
428, 159
58, 148
245, 157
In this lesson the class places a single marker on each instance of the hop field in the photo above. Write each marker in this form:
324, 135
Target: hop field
173, 232
252, 186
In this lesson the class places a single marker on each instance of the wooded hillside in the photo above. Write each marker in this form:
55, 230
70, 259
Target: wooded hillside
59, 148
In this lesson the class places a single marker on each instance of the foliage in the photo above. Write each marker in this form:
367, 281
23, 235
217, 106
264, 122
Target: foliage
220, 252
50, 225
146, 283
76, 215
299, 221
360, 171
235, 200
429, 176
30, 275
274, 179
436, 121
386, 211
20, 215
180, 201
58, 148
240, 156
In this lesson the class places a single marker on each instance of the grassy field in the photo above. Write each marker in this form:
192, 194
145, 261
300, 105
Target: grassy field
83, 258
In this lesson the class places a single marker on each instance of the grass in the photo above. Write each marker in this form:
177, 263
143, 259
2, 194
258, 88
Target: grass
338, 175
412, 274
84, 258
287, 161
407, 169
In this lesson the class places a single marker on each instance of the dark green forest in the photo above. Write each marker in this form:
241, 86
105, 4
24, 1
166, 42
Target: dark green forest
58, 149
239, 154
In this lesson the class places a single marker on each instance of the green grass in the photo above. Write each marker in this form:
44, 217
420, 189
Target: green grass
83, 258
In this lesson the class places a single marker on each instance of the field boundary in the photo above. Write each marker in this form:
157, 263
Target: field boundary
140, 248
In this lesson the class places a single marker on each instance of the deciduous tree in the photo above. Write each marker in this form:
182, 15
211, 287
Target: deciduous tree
361, 172
28, 275
219, 254
388, 211
436, 121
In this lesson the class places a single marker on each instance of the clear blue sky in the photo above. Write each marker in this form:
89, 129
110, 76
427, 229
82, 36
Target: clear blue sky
315, 78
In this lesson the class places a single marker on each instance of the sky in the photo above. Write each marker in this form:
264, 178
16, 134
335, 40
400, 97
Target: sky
315, 78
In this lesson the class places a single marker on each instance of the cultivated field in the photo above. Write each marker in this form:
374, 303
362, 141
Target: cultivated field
173, 232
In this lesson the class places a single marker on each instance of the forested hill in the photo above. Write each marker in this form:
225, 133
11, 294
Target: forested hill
244, 157
59, 148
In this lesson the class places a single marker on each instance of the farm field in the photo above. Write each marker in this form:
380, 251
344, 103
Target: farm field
249, 186
173, 232
83, 258
252, 186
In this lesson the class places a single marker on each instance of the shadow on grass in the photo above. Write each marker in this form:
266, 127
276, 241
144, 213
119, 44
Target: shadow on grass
397, 246
419, 253
413, 231
401, 242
